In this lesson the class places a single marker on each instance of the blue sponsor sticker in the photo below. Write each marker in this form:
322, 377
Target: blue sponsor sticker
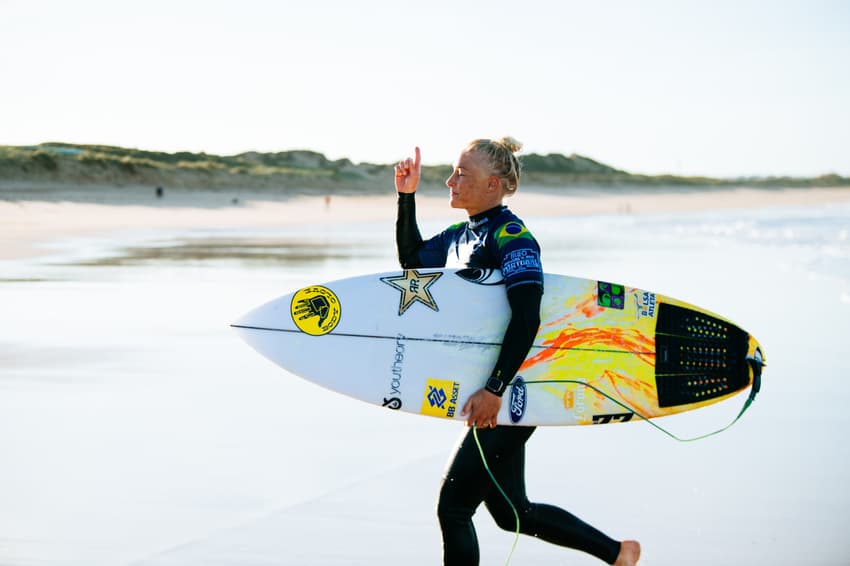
520, 261
519, 400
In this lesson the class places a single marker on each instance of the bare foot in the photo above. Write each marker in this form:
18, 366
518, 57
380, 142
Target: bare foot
629, 553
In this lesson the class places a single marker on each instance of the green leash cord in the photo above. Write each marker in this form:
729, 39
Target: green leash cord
756, 365
746, 406
502, 491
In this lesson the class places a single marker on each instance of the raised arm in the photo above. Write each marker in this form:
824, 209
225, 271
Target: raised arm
407, 235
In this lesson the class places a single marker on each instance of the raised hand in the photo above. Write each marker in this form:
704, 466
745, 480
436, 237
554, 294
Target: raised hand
407, 174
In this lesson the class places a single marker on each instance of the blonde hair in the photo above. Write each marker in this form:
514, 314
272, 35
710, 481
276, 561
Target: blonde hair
501, 158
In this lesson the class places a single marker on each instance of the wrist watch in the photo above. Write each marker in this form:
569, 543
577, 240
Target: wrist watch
495, 386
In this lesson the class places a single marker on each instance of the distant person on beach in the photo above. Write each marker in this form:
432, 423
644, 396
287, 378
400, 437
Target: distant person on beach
486, 172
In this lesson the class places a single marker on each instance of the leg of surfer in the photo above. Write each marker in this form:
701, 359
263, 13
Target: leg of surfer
504, 448
546, 522
466, 484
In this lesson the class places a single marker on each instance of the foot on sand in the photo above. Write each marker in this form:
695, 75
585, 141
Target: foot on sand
629, 553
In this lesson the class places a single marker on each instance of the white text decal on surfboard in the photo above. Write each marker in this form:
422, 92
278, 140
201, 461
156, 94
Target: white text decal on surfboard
414, 287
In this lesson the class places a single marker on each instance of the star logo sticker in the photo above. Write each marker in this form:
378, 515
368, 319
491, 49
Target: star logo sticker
414, 287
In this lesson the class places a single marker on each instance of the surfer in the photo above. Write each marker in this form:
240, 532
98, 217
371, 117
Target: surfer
486, 172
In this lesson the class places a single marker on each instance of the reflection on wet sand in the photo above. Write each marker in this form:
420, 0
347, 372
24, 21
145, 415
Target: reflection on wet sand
278, 250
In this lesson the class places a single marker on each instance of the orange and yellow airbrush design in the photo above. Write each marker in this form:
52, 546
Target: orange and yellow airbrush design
569, 365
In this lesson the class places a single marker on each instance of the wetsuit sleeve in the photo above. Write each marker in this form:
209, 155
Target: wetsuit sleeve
519, 255
522, 328
413, 251
407, 236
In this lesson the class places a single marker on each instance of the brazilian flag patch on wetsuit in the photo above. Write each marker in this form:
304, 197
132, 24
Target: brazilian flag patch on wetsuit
512, 231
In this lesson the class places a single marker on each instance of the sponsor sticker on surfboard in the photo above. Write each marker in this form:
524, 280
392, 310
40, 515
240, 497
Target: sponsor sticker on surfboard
518, 399
315, 310
440, 398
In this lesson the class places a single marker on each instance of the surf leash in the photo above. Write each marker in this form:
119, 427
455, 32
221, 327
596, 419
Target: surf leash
502, 491
755, 363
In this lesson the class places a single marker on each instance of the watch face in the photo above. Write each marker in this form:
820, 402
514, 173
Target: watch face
496, 385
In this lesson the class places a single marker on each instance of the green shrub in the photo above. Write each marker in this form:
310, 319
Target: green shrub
43, 160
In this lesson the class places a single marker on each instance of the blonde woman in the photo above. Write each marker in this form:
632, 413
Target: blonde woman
485, 173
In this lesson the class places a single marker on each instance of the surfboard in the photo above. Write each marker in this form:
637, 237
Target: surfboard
424, 340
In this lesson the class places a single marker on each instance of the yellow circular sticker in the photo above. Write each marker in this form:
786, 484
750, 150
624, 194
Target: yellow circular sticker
315, 310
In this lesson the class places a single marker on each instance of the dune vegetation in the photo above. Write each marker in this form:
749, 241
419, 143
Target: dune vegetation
303, 170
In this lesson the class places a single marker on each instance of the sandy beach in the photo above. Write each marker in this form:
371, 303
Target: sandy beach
30, 226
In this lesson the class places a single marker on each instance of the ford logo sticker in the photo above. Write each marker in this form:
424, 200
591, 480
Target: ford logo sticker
518, 399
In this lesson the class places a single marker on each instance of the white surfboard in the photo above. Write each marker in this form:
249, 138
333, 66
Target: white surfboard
424, 340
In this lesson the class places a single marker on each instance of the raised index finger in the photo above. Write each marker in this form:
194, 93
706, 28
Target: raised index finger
418, 160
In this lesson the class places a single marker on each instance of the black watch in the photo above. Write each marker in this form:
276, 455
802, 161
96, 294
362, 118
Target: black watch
496, 386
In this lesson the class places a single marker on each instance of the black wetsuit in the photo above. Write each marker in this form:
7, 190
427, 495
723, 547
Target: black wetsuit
495, 238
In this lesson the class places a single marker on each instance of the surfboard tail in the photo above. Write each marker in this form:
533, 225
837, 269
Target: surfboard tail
757, 362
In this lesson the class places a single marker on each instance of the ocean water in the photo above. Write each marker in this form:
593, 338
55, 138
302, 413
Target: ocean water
136, 428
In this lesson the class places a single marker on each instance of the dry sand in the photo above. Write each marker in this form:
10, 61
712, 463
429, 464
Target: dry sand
29, 227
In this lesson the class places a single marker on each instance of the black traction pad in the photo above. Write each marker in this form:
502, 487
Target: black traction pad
698, 356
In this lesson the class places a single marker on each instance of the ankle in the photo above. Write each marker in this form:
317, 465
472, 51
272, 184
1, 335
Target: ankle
629, 553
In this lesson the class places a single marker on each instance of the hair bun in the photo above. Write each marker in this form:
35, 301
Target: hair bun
501, 160
512, 144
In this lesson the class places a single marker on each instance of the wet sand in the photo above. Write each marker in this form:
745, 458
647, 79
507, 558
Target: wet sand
29, 226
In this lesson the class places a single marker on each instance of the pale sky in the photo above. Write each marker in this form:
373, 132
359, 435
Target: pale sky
720, 87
